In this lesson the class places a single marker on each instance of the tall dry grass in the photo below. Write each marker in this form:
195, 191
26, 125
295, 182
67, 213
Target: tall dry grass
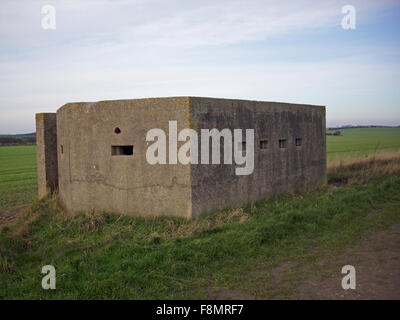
363, 169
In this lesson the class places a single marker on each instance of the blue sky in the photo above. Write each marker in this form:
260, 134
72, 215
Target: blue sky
291, 51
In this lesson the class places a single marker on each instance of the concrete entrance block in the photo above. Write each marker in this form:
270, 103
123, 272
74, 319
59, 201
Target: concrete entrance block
46, 153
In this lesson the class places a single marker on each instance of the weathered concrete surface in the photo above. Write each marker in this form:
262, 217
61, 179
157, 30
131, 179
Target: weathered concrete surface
94, 176
91, 178
276, 169
46, 153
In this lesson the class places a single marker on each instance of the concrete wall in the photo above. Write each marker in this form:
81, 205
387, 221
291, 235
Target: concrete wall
276, 169
92, 178
46, 153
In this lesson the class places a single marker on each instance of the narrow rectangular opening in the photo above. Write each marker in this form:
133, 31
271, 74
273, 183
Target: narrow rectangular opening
298, 142
121, 150
62, 149
263, 144
282, 143
243, 147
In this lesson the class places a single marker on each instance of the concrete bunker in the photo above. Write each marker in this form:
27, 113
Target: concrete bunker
94, 153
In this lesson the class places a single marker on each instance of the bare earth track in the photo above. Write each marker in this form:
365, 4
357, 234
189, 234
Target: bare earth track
377, 263
9, 216
375, 258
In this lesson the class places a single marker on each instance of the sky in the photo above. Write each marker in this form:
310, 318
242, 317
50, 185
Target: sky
289, 51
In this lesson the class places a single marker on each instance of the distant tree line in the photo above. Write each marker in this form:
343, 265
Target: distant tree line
357, 126
336, 133
17, 140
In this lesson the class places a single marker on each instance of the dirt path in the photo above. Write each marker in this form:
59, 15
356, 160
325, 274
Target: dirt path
9, 216
376, 260
377, 264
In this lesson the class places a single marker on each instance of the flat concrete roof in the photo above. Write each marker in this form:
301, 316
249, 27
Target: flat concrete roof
193, 98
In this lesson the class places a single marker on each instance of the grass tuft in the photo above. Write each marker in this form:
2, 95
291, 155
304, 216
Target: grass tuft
5, 265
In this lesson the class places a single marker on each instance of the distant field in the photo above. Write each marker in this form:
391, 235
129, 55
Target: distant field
18, 163
17, 176
361, 142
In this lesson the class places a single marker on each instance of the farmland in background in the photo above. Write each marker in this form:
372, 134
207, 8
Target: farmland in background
362, 142
17, 176
18, 163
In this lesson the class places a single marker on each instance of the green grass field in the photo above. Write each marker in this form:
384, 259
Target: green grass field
362, 142
17, 176
118, 257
